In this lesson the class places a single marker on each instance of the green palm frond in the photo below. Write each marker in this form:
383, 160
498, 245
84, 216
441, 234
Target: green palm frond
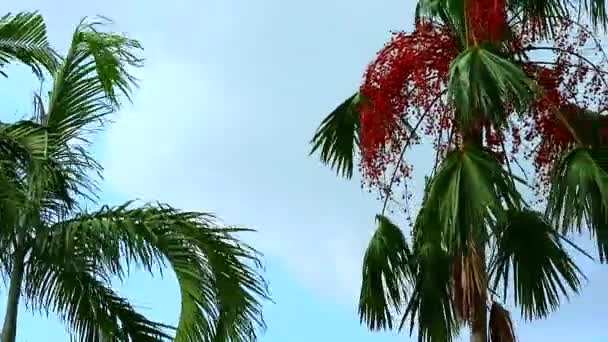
92, 77
337, 138
430, 306
544, 14
221, 292
529, 254
469, 189
23, 38
596, 10
579, 195
450, 12
481, 82
387, 270
73, 288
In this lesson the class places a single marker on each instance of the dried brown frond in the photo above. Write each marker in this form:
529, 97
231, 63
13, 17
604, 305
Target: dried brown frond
469, 284
501, 325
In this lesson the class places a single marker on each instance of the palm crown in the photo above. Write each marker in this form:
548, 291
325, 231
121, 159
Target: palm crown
61, 257
488, 81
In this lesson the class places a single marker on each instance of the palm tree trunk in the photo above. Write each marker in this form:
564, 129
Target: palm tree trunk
479, 324
9, 329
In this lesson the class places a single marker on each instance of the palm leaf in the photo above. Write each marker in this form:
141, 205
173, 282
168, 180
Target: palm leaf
430, 307
221, 293
579, 195
544, 14
91, 79
387, 268
469, 190
596, 10
73, 288
337, 138
501, 325
451, 12
542, 271
481, 82
23, 38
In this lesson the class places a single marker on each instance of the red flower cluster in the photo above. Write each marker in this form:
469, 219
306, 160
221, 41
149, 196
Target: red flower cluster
408, 75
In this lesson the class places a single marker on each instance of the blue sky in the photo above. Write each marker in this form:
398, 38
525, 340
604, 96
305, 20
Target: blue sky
231, 94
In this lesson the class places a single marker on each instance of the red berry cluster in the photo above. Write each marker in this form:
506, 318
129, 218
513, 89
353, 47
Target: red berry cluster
405, 89
487, 19
406, 80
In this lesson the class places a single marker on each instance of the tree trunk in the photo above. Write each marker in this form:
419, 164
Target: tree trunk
479, 323
9, 329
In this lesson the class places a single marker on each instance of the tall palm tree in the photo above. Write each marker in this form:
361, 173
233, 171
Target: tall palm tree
488, 80
61, 258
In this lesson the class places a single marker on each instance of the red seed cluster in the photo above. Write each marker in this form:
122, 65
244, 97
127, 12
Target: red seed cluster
405, 90
408, 76
487, 19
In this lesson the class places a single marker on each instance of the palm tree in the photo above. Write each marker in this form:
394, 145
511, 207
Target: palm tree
61, 258
488, 80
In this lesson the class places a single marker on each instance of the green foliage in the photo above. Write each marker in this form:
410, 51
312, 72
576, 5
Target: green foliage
23, 38
387, 266
337, 138
481, 82
545, 13
579, 195
541, 270
469, 190
73, 254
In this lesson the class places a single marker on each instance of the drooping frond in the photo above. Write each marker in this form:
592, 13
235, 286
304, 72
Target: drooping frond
469, 190
220, 289
579, 196
70, 285
430, 306
470, 284
387, 270
23, 38
543, 16
529, 257
596, 11
500, 325
337, 138
481, 82
450, 12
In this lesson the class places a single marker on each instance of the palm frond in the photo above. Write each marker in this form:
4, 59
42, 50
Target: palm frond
543, 14
387, 269
596, 11
23, 38
92, 77
73, 288
449, 12
337, 138
429, 307
542, 271
579, 195
481, 82
469, 190
500, 325
220, 289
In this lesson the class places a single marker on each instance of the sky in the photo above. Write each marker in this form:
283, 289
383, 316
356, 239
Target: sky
230, 96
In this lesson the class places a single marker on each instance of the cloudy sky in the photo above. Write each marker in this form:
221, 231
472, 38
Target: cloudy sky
231, 93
